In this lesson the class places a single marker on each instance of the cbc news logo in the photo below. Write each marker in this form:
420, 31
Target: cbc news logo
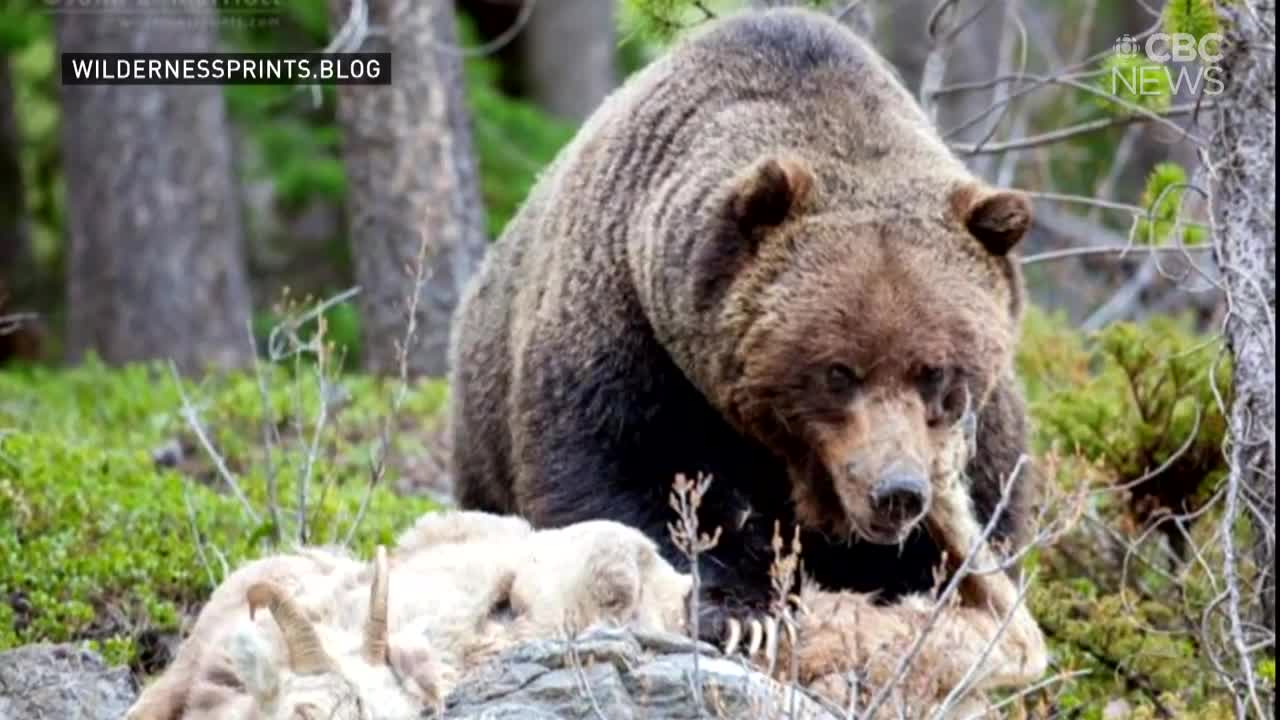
1178, 61
1126, 45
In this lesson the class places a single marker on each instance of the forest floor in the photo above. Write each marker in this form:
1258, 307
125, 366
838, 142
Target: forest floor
126, 495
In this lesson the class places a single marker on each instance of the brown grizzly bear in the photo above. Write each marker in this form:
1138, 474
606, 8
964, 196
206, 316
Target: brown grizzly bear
756, 260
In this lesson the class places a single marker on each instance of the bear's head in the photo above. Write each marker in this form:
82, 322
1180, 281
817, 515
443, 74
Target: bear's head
860, 343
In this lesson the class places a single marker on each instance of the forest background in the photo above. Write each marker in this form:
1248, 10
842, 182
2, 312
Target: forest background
223, 310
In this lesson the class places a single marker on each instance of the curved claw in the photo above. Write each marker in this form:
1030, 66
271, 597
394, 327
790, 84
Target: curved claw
770, 643
735, 637
757, 635
798, 604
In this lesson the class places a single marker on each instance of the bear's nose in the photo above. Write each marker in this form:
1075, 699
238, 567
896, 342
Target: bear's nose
900, 496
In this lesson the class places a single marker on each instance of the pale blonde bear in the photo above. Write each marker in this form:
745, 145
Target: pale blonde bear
496, 582
347, 640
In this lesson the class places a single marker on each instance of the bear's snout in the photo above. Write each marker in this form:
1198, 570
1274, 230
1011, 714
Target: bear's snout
899, 500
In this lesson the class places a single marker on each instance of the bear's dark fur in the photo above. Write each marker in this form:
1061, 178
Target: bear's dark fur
756, 260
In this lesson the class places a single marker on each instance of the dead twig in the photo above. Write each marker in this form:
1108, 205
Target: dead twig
686, 497
192, 419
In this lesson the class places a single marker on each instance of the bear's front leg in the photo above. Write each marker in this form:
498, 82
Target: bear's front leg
727, 605
733, 599
740, 607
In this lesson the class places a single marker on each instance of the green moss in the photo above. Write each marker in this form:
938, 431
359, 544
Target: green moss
98, 543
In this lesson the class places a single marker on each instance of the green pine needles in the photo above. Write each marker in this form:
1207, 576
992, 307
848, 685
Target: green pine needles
1162, 198
661, 21
1191, 17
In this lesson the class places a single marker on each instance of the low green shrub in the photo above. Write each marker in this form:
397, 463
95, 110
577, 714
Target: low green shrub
1132, 417
99, 541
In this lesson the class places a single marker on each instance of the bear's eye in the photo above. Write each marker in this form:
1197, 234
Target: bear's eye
931, 381
941, 389
841, 379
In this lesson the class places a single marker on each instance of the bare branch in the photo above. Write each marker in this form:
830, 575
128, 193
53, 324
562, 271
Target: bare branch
378, 458
192, 418
269, 441
1117, 250
1068, 133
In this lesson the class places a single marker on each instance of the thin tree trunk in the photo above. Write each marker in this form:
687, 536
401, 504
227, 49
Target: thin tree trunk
569, 50
411, 179
13, 222
156, 266
18, 336
1244, 197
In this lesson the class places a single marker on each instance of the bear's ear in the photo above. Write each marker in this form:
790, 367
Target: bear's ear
997, 218
765, 193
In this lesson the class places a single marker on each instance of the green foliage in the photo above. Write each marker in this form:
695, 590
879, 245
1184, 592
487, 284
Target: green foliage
1108, 634
298, 142
513, 139
1150, 400
1052, 357
19, 27
661, 21
1133, 79
33, 59
1127, 402
1192, 17
1267, 670
299, 152
658, 21
288, 136
1109, 409
341, 329
97, 542
292, 133
1162, 199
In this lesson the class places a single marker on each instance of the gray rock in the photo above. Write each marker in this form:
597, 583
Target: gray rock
670, 643
604, 645
606, 674
619, 676
62, 682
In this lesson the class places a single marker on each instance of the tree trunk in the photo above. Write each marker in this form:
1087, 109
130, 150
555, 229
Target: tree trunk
156, 266
569, 50
1243, 196
412, 181
13, 225
19, 338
